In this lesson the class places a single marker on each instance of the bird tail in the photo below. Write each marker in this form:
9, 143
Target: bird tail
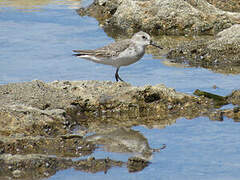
82, 52
87, 54
77, 54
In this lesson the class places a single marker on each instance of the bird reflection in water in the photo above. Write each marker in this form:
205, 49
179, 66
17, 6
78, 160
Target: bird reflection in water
124, 140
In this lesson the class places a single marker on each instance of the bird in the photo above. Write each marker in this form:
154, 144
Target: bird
119, 53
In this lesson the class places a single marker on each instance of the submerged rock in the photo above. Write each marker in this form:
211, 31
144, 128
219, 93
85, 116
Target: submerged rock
172, 17
221, 54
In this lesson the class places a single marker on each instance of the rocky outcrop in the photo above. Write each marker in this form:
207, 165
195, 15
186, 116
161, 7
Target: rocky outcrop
171, 17
219, 54
108, 98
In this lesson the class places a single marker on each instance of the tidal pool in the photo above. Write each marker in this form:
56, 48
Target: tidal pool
37, 39
195, 149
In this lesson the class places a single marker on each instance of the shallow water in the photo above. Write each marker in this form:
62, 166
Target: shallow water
196, 149
36, 40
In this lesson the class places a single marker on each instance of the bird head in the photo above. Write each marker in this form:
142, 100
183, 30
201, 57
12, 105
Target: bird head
144, 39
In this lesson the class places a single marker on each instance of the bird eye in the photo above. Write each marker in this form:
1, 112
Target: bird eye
144, 37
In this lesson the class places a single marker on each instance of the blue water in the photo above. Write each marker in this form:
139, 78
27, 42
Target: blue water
196, 149
37, 43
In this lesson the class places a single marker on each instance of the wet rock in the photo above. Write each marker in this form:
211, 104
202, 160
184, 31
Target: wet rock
172, 17
221, 54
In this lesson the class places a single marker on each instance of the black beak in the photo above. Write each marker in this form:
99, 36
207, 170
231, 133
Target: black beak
153, 44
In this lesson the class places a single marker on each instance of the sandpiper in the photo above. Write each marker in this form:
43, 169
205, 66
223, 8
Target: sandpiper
120, 53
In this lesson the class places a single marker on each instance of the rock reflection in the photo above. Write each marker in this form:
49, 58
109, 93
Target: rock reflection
92, 165
123, 140
39, 166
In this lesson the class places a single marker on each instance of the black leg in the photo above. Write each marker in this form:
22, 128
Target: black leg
117, 76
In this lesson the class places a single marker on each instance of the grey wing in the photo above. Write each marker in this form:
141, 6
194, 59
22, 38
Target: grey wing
114, 49
111, 50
